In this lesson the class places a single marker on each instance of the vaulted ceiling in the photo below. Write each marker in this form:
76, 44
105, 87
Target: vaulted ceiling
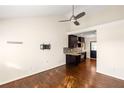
45, 10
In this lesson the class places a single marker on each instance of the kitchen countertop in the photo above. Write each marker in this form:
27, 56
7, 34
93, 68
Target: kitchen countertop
74, 54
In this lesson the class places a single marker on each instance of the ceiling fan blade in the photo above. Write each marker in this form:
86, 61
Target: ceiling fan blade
76, 23
80, 15
64, 20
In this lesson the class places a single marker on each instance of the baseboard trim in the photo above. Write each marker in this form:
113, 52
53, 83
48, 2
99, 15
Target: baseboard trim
34, 73
117, 77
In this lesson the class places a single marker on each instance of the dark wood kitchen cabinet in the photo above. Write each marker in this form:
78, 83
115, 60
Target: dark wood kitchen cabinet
80, 41
72, 41
72, 59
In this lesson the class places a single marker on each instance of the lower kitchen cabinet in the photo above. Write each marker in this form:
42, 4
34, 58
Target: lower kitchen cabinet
73, 59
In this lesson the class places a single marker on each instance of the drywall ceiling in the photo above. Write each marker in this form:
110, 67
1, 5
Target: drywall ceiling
44, 10
87, 34
28, 11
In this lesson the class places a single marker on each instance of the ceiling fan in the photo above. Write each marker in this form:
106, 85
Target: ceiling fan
74, 18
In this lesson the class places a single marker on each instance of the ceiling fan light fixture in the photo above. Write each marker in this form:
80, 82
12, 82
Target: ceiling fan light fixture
74, 18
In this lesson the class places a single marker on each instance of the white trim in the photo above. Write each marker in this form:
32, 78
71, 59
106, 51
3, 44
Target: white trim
30, 74
110, 75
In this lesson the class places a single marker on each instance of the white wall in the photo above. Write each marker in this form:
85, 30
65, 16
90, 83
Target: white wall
17, 61
87, 41
110, 47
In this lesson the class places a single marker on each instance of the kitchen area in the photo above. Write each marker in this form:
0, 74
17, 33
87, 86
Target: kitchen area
76, 50
80, 47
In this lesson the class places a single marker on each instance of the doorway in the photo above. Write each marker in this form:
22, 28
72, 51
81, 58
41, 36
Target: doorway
89, 46
93, 52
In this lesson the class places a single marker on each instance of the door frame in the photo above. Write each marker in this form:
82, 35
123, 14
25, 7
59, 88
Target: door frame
90, 50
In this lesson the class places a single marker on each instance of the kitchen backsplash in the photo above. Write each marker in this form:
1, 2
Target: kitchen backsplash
72, 50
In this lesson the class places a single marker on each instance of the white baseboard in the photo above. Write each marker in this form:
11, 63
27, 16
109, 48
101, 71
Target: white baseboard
122, 78
30, 74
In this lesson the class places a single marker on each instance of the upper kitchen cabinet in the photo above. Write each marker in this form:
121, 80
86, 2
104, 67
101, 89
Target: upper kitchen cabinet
75, 41
72, 41
81, 39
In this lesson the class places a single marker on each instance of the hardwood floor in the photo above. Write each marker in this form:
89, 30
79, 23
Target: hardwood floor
81, 76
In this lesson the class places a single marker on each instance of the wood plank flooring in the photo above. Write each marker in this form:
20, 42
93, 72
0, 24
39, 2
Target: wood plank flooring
81, 76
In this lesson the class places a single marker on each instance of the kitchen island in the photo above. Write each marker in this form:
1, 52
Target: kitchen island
74, 58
